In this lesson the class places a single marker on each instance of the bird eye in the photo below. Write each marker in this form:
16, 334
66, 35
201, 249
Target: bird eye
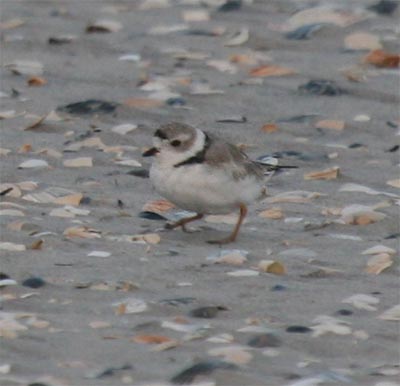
176, 143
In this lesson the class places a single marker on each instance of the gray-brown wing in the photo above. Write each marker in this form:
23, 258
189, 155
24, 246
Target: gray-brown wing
222, 154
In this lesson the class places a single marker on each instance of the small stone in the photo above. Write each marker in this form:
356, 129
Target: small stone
188, 375
265, 340
90, 106
344, 312
321, 87
384, 7
230, 5
33, 282
278, 287
206, 312
298, 329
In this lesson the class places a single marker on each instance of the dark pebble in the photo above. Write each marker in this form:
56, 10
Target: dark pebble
304, 32
287, 153
120, 204
151, 216
393, 149
206, 367
86, 200
265, 340
392, 124
384, 7
292, 376
15, 93
58, 40
90, 106
198, 32
38, 384
278, 287
356, 145
33, 282
4, 276
64, 264
175, 101
208, 312
113, 173
111, 371
139, 172
344, 312
298, 329
178, 301
392, 236
298, 118
241, 119
230, 5
321, 87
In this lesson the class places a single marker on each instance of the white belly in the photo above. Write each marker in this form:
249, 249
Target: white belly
202, 190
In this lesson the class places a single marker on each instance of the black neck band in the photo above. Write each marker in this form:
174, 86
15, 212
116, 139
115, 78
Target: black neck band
200, 156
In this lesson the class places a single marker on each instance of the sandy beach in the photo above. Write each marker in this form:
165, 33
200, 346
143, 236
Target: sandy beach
93, 290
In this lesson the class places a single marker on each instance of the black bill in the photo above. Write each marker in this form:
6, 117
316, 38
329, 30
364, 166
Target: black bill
150, 152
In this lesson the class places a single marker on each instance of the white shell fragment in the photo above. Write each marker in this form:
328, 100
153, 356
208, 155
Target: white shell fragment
222, 65
243, 273
240, 37
6, 282
379, 263
328, 324
131, 305
195, 15
350, 187
360, 215
5, 368
11, 212
362, 301
124, 128
99, 254
362, 41
184, 327
379, 249
230, 256
130, 58
232, 354
33, 164
129, 162
392, 313
7, 246
78, 162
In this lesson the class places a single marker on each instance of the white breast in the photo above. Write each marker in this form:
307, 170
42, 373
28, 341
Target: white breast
203, 189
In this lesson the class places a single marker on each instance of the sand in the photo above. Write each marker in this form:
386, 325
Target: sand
323, 258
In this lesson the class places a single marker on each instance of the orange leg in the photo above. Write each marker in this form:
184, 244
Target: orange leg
232, 237
182, 222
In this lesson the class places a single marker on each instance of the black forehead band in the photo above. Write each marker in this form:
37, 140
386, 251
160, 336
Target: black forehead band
160, 134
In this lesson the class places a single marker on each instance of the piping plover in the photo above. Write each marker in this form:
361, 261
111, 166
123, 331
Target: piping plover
201, 173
